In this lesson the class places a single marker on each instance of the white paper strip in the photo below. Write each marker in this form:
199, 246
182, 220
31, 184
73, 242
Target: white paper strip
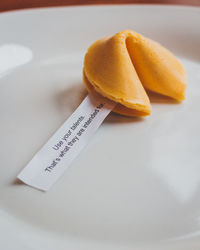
57, 154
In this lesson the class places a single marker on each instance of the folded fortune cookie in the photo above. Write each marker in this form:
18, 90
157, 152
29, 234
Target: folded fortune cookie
121, 67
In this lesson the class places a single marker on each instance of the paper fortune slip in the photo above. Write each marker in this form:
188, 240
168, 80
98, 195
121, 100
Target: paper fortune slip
50, 163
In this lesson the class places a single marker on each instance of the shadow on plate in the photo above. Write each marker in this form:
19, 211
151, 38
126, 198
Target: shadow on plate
69, 99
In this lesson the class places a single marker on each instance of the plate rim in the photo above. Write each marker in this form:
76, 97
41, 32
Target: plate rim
53, 8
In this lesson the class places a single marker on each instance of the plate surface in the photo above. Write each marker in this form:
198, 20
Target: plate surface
137, 184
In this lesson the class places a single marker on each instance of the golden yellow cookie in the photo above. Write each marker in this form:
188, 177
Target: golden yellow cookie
121, 66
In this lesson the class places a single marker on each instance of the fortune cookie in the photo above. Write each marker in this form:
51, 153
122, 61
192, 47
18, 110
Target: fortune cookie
121, 67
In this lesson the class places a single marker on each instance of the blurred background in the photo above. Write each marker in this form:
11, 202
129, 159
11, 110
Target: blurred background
6, 5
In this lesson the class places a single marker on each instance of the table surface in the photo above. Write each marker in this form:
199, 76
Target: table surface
6, 5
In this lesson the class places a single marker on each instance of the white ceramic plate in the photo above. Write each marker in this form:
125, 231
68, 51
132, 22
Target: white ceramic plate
137, 184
